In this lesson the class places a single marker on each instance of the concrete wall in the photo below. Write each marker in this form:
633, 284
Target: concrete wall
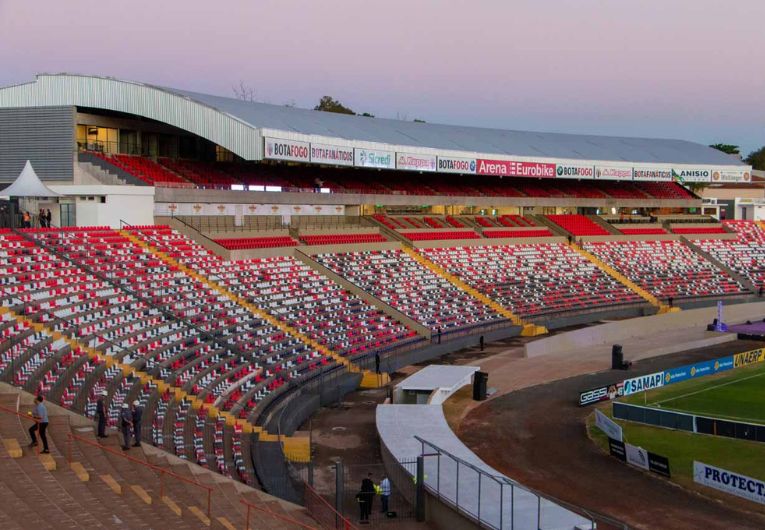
175, 195
132, 204
615, 332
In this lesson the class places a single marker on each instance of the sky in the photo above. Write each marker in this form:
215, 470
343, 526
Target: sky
688, 69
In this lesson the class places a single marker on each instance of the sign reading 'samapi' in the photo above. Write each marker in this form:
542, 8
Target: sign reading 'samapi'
643, 383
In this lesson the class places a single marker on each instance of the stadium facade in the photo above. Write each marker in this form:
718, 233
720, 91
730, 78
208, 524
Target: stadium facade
56, 120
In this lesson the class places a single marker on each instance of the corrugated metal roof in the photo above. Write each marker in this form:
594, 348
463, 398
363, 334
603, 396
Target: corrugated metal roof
239, 125
469, 139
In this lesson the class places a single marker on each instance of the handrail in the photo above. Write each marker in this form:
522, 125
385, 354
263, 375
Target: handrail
272, 514
24, 416
590, 514
161, 470
347, 524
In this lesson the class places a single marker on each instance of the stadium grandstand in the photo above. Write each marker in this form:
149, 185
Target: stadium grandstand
221, 261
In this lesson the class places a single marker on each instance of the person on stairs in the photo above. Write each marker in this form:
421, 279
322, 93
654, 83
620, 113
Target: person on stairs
137, 415
40, 413
126, 422
101, 413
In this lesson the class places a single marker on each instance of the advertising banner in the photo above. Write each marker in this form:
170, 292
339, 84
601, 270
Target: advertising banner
729, 482
601, 393
378, 159
331, 154
574, 171
636, 456
412, 162
658, 464
692, 175
749, 357
278, 149
456, 165
613, 173
689, 371
643, 383
514, 168
608, 426
617, 449
652, 174
735, 175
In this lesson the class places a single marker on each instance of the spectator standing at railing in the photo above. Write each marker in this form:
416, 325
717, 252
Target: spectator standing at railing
40, 413
137, 415
26, 220
126, 422
42, 218
101, 414
48, 218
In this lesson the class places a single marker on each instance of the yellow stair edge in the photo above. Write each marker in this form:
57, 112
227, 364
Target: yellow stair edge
621, 278
215, 286
109, 480
461, 285
200, 515
141, 493
47, 461
80, 471
161, 385
13, 448
225, 523
372, 379
170, 503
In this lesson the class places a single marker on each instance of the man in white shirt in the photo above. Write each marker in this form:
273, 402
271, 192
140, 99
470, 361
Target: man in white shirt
40, 413
385, 493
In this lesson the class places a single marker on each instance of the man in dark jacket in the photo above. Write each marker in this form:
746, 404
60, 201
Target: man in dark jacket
101, 414
137, 415
366, 496
126, 422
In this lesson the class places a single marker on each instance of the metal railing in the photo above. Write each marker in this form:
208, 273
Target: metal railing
71, 438
25, 417
283, 518
323, 512
494, 501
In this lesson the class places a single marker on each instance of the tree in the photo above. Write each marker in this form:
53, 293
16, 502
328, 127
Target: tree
330, 104
245, 92
728, 149
756, 159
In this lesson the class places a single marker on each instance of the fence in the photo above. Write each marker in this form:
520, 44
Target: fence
496, 502
323, 512
689, 422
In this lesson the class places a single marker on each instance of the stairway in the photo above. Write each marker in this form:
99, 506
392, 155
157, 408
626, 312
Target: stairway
740, 278
529, 329
260, 313
94, 484
621, 278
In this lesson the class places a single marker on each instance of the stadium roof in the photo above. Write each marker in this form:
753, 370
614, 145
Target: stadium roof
241, 125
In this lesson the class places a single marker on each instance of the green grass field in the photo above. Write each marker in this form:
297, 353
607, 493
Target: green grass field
738, 395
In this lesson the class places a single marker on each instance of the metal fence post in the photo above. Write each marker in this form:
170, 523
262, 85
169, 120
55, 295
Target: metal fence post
512, 506
420, 492
479, 498
457, 486
501, 502
539, 511
339, 491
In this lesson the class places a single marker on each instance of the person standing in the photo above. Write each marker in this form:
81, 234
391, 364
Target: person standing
137, 415
377, 362
101, 414
384, 493
26, 220
367, 496
438, 331
48, 218
40, 413
41, 218
126, 422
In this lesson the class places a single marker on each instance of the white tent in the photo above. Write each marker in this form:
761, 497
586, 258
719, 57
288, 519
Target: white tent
28, 184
